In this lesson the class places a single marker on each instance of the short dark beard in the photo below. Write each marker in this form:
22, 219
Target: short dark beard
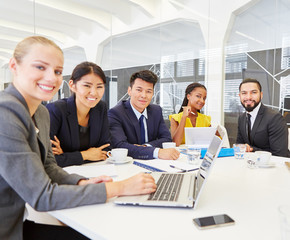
250, 109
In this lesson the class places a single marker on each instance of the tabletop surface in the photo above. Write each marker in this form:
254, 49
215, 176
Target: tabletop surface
250, 196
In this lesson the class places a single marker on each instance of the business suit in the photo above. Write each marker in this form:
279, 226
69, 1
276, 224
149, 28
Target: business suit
125, 130
28, 171
269, 132
64, 125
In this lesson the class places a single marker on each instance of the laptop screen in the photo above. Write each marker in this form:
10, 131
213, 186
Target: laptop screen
211, 154
199, 136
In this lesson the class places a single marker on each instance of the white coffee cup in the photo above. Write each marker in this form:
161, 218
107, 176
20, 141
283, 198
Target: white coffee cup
169, 145
263, 157
118, 154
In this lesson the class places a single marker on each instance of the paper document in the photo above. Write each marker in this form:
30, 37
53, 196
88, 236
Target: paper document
93, 170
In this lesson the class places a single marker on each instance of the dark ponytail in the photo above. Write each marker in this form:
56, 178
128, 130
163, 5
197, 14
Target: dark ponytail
188, 90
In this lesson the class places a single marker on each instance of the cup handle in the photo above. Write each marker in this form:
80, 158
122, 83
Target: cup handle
109, 153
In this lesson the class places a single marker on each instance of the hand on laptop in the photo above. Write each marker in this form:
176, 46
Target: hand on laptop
142, 183
168, 153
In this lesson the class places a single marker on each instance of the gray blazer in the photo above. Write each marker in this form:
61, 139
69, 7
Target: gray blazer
269, 132
28, 170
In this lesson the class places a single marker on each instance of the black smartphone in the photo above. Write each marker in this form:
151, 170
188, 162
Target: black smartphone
213, 221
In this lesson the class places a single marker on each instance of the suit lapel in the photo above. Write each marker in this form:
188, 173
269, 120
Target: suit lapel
41, 136
133, 119
257, 121
244, 129
73, 123
150, 123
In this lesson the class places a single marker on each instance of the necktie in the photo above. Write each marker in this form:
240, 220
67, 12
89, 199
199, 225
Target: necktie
249, 126
142, 129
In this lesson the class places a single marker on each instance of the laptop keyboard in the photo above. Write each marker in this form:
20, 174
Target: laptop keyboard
168, 187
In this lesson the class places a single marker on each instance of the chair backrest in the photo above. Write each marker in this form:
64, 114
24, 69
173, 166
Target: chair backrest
167, 123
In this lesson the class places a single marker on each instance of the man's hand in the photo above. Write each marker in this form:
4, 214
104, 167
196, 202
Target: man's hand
168, 154
249, 148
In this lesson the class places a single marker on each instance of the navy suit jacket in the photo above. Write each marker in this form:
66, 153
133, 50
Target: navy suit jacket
64, 125
269, 132
125, 130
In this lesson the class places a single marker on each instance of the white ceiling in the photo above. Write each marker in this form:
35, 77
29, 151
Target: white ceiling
67, 22
143, 30
265, 25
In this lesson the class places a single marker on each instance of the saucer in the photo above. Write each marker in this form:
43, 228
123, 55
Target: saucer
111, 160
266, 165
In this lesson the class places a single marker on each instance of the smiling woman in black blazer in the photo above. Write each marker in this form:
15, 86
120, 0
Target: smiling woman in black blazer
79, 128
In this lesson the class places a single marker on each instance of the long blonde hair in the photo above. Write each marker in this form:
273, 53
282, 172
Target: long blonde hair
23, 47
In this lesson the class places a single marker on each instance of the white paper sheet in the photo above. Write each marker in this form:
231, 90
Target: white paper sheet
93, 170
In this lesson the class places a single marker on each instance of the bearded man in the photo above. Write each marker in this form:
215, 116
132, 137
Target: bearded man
260, 127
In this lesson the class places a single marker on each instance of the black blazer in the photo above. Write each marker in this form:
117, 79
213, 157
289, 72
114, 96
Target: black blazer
64, 125
269, 132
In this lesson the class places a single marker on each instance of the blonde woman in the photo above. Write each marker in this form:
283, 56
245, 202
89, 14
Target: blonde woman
28, 170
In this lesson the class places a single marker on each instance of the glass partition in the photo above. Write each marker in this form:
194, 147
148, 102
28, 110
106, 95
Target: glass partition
258, 47
171, 49
216, 43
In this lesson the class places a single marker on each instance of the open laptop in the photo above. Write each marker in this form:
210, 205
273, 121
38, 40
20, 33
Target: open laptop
199, 136
186, 186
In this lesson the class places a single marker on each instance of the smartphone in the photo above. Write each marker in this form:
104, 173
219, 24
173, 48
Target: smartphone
213, 221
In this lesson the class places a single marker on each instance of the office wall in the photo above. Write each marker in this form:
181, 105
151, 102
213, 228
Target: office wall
209, 41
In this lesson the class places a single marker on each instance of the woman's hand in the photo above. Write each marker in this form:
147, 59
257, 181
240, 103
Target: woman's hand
93, 154
142, 183
186, 111
95, 180
56, 149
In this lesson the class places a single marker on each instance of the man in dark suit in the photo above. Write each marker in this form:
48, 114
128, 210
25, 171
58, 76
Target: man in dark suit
137, 125
260, 127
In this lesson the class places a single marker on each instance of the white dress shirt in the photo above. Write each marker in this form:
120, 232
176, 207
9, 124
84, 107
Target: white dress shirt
254, 114
138, 115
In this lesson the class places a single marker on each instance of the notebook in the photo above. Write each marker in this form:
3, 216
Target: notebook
158, 165
199, 136
183, 189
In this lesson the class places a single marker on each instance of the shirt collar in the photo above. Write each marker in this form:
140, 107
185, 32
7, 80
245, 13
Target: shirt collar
137, 113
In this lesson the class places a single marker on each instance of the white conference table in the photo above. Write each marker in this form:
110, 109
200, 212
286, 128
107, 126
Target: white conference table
250, 196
